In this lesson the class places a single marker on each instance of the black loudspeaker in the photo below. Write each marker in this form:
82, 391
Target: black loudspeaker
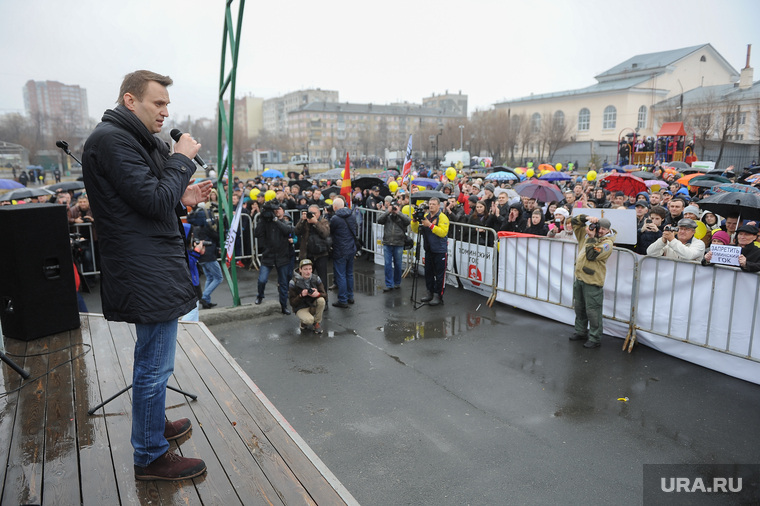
37, 287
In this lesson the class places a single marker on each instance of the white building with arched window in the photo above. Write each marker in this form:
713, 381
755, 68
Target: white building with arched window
621, 101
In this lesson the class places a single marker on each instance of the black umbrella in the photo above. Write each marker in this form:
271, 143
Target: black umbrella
365, 182
643, 174
330, 189
304, 184
65, 186
25, 193
427, 195
724, 204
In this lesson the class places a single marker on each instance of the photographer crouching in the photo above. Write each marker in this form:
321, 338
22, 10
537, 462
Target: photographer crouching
307, 296
435, 230
595, 243
394, 234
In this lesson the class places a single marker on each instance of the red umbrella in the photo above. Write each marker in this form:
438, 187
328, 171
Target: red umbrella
626, 183
540, 190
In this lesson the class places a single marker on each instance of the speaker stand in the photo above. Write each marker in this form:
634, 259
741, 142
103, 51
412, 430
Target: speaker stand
13, 365
114, 396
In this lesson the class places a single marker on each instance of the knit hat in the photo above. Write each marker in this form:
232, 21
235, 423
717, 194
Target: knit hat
722, 237
604, 223
489, 186
693, 210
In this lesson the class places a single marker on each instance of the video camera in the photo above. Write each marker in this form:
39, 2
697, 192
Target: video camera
196, 242
670, 228
267, 212
419, 212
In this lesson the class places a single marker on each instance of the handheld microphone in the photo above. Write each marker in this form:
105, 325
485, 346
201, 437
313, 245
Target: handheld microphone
176, 133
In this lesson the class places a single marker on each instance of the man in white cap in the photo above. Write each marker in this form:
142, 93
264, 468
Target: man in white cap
678, 242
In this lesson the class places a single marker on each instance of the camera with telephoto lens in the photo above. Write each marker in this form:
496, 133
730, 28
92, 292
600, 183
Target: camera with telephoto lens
670, 228
592, 226
196, 242
393, 204
419, 212
309, 215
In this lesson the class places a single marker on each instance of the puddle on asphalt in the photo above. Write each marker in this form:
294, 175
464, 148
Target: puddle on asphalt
398, 332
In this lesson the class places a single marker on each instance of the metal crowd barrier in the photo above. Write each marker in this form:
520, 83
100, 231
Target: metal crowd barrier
86, 230
713, 307
543, 269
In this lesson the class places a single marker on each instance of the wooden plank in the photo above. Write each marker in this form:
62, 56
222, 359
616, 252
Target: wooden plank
23, 481
176, 492
268, 429
11, 380
98, 481
237, 466
60, 484
117, 415
265, 454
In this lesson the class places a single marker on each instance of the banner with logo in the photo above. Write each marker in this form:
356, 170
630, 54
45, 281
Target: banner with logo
475, 264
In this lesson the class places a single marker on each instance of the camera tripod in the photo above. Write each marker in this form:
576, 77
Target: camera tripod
128, 387
415, 271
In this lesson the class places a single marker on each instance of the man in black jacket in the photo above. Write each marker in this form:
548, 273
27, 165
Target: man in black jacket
394, 224
137, 192
274, 233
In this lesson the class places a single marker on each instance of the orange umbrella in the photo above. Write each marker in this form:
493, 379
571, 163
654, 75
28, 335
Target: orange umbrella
546, 166
685, 180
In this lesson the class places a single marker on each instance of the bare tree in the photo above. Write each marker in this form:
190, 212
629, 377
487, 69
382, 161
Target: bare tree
700, 118
555, 133
726, 130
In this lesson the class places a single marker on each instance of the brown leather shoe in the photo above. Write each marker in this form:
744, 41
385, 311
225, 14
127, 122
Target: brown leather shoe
177, 429
171, 467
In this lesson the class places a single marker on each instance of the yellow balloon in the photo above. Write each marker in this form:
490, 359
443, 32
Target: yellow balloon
451, 173
530, 173
520, 170
460, 166
411, 178
655, 188
393, 186
701, 230
558, 166
254, 193
328, 202
421, 188
269, 195
343, 173
591, 176
544, 172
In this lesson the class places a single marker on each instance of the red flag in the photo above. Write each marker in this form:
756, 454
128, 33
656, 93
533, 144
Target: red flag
345, 187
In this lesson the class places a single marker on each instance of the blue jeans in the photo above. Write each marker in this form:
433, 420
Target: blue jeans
283, 278
213, 274
343, 272
393, 269
154, 363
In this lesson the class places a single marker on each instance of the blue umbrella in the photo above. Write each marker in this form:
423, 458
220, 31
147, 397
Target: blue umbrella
556, 176
426, 182
610, 168
502, 176
9, 184
271, 173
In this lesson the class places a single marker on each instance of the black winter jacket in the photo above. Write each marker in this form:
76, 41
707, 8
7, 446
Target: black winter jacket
273, 237
135, 188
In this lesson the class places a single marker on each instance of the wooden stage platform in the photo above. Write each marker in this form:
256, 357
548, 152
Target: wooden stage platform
59, 455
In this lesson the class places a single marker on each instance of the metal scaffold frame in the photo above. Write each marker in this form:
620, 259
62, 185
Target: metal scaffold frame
231, 36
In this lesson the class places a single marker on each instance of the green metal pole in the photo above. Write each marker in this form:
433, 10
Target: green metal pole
226, 125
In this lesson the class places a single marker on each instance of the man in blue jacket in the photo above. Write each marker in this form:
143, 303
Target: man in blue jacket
343, 230
137, 192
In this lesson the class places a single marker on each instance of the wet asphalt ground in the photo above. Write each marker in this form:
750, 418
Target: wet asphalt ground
465, 404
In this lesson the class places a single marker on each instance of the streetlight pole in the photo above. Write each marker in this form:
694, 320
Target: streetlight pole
461, 131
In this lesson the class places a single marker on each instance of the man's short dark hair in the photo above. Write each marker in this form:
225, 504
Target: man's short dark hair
136, 83
659, 211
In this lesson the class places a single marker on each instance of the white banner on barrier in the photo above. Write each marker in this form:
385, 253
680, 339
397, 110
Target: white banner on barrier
708, 306
475, 263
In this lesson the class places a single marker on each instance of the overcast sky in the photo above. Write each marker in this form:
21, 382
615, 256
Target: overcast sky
379, 52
